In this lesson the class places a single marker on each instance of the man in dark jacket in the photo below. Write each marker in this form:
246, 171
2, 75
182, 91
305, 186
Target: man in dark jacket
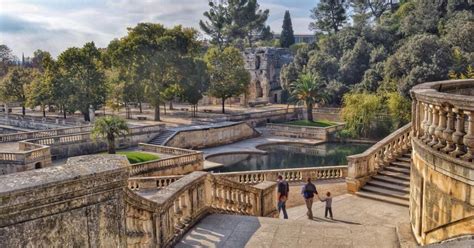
282, 196
308, 191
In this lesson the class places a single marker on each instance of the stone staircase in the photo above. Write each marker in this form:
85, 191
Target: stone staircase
162, 137
392, 184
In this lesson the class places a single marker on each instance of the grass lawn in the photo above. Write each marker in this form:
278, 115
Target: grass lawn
323, 123
138, 157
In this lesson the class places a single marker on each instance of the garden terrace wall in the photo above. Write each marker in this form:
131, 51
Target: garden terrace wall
86, 203
320, 133
262, 117
30, 156
210, 136
327, 113
38, 122
19, 136
177, 162
442, 173
65, 146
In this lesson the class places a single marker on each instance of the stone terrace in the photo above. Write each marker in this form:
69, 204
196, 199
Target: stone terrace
358, 222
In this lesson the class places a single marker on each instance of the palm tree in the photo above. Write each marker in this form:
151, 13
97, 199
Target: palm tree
110, 127
309, 89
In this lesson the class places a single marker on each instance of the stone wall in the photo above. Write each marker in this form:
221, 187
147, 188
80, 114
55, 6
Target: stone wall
264, 65
76, 205
441, 196
212, 136
320, 133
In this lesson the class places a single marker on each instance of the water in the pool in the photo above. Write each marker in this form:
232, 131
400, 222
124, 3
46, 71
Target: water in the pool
285, 156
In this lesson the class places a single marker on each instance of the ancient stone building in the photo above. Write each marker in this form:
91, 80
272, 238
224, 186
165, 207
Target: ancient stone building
264, 65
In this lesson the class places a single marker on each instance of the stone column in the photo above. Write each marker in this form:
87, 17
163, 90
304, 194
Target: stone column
468, 139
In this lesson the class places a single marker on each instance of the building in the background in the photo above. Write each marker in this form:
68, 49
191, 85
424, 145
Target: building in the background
264, 65
301, 38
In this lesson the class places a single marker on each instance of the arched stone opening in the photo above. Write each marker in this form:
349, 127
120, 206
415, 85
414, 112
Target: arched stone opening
38, 165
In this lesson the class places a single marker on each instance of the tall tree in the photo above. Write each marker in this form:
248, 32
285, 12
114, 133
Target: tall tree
38, 57
329, 16
217, 24
82, 71
287, 37
228, 76
14, 84
196, 83
309, 89
247, 20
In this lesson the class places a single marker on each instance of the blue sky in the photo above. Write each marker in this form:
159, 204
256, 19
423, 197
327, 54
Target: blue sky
54, 25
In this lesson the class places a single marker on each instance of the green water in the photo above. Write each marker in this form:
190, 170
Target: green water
289, 156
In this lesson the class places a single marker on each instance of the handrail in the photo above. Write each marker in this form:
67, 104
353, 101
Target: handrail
361, 167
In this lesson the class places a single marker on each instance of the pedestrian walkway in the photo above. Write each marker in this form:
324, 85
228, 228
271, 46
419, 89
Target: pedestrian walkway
358, 222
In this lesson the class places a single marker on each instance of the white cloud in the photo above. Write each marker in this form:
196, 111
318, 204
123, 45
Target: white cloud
55, 25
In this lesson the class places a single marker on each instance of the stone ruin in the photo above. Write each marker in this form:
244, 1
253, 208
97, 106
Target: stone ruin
264, 65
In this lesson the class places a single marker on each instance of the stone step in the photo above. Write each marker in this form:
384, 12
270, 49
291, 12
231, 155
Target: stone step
396, 175
389, 186
404, 165
404, 159
397, 169
393, 180
383, 198
385, 192
407, 155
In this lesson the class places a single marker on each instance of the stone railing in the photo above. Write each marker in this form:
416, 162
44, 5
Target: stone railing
290, 175
43, 134
361, 167
286, 130
160, 219
295, 175
441, 188
30, 156
443, 120
182, 161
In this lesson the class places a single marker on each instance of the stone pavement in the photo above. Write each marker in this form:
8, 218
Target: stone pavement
358, 222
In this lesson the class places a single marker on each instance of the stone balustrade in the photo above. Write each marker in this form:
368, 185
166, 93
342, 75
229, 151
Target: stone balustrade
30, 156
441, 185
321, 133
296, 175
187, 161
43, 134
172, 210
361, 167
445, 121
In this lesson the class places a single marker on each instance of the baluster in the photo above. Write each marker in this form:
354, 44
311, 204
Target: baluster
440, 129
426, 127
448, 132
434, 125
458, 134
468, 139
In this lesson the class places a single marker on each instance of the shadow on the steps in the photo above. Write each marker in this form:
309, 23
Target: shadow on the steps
334, 221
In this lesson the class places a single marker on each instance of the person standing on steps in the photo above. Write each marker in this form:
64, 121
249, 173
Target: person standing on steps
328, 201
308, 191
282, 196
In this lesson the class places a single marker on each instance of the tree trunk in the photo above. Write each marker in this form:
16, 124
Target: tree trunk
223, 105
164, 108
23, 110
140, 106
44, 110
171, 105
111, 144
64, 111
309, 111
157, 112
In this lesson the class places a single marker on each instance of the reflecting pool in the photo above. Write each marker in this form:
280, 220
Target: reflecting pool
285, 156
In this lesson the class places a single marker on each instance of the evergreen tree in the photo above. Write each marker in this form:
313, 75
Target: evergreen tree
287, 37
217, 23
247, 21
329, 16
